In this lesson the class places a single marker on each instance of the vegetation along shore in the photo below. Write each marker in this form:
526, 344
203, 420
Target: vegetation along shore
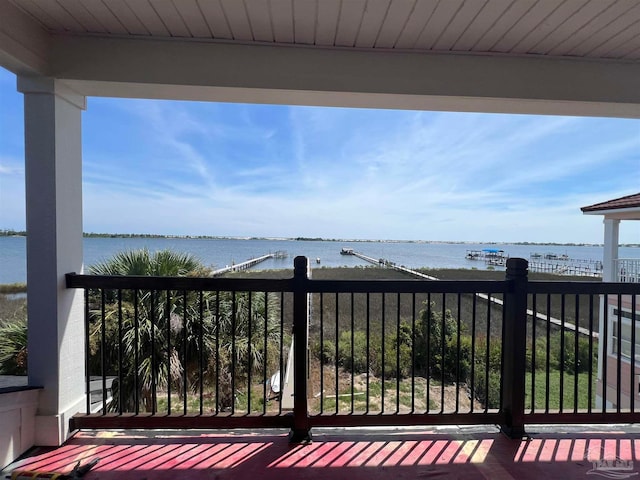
23, 233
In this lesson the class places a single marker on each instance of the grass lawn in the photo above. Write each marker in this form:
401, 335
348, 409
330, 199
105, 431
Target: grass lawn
209, 402
556, 400
397, 398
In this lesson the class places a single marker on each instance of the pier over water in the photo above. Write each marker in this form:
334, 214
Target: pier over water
496, 301
388, 264
246, 265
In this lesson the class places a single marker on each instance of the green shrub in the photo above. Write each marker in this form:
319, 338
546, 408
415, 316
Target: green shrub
394, 365
489, 397
13, 348
540, 357
462, 368
326, 352
486, 391
355, 360
565, 358
437, 346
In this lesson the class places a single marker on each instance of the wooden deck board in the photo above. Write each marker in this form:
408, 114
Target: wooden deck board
354, 454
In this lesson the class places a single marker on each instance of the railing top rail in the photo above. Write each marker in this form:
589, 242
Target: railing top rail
408, 286
586, 288
115, 282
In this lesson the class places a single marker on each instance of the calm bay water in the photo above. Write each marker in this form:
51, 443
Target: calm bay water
221, 252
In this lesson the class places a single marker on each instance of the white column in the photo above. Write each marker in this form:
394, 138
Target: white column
609, 274
53, 161
611, 233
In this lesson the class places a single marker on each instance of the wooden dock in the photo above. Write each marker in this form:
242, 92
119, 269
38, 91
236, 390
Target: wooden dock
577, 268
246, 265
387, 264
496, 301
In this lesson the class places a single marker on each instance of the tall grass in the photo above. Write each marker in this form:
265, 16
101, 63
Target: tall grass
13, 288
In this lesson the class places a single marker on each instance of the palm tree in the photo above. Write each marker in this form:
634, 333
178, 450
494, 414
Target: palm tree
13, 348
142, 330
13, 332
247, 329
163, 263
160, 340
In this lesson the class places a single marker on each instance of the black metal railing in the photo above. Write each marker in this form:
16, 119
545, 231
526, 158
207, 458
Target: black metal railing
301, 352
577, 371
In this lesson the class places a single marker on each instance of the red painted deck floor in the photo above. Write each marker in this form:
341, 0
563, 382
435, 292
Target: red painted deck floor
550, 452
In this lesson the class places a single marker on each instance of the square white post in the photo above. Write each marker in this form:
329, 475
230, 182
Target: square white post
609, 274
611, 235
53, 161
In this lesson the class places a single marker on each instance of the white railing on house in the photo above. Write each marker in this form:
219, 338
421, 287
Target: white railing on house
627, 270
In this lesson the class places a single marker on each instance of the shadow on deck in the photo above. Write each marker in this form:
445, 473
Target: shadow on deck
445, 453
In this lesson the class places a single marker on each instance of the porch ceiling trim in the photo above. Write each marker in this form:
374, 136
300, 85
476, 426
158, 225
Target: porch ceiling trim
528, 68
297, 75
24, 44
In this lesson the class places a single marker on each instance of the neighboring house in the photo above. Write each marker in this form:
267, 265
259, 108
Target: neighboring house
622, 308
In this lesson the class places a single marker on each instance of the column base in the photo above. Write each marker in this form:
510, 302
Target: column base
53, 430
516, 432
300, 436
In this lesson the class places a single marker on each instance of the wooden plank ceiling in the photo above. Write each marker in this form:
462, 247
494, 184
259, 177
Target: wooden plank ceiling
575, 28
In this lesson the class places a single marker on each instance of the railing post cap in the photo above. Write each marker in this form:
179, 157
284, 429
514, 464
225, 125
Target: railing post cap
300, 266
517, 265
300, 261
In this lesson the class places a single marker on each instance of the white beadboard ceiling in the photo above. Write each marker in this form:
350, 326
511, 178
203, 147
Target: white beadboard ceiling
575, 28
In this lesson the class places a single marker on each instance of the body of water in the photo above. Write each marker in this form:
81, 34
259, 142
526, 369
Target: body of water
219, 253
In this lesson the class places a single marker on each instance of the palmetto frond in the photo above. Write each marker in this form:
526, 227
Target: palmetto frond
156, 339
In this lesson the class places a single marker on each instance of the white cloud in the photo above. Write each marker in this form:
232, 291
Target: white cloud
288, 171
10, 170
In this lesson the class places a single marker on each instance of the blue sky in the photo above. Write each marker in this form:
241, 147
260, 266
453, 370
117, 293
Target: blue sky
191, 168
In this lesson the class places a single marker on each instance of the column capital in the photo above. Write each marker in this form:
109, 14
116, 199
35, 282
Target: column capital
49, 85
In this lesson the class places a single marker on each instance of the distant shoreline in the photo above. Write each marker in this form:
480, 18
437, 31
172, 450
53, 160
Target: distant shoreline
22, 233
